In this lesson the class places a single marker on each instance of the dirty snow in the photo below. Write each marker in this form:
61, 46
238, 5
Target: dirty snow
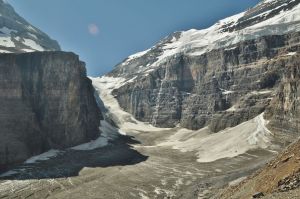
4, 51
43, 156
32, 44
208, 146
94, 144
237, 181
261, 92
8, 173
126, 122
108, 133
228, 143
292, 53
232, 109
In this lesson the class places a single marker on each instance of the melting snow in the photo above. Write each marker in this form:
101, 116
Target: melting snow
292, 53
98, 143
6, 41
43, 157
228, 143
126, 122
32, 44
108, 133
4, 51
8, 173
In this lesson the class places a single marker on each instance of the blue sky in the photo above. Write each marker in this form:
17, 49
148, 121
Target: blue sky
104, 32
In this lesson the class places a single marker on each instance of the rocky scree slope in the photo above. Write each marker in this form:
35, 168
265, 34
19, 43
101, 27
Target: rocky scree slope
219, 76
281, 176
17, 35
47, 102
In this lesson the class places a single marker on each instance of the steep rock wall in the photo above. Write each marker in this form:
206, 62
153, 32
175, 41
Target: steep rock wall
221, 88
46, 102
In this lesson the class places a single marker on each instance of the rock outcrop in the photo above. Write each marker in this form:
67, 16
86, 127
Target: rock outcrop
217, 77
279, 176
47, 102
284, 111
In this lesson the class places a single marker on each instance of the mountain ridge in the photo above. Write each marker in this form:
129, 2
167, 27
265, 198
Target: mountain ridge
17, 35
199, 78
193, 42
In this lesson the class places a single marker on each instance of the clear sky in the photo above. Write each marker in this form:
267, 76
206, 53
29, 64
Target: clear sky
105, 32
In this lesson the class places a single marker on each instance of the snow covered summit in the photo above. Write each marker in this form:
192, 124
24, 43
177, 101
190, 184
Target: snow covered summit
220, 76
17, 35
270, 17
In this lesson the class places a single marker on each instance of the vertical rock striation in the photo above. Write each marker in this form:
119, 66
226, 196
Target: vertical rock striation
221, 88
47, 102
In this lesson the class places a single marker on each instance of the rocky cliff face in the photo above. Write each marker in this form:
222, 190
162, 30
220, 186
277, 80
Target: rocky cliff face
46, 102
17, 35
220, 76
284, 108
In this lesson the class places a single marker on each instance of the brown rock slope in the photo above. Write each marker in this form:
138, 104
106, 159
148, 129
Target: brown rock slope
280, 175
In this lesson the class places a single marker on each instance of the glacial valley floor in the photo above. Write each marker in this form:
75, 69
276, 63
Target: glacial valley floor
129, 167
147, 163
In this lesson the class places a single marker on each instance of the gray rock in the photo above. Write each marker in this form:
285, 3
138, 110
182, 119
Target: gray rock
46, 102
284, 111
197, 91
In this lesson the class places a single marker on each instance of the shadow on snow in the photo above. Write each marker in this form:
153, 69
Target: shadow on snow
71, 162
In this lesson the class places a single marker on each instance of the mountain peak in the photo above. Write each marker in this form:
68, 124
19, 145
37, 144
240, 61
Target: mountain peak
18, 35
269, 17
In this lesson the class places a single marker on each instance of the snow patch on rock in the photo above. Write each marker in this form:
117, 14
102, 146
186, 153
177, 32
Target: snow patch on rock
7, 42
44, 156
8, 173
33, 45
108, 132
136, 55
125, 121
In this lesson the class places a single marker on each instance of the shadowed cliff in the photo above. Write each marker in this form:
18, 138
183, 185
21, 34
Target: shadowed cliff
47, 102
